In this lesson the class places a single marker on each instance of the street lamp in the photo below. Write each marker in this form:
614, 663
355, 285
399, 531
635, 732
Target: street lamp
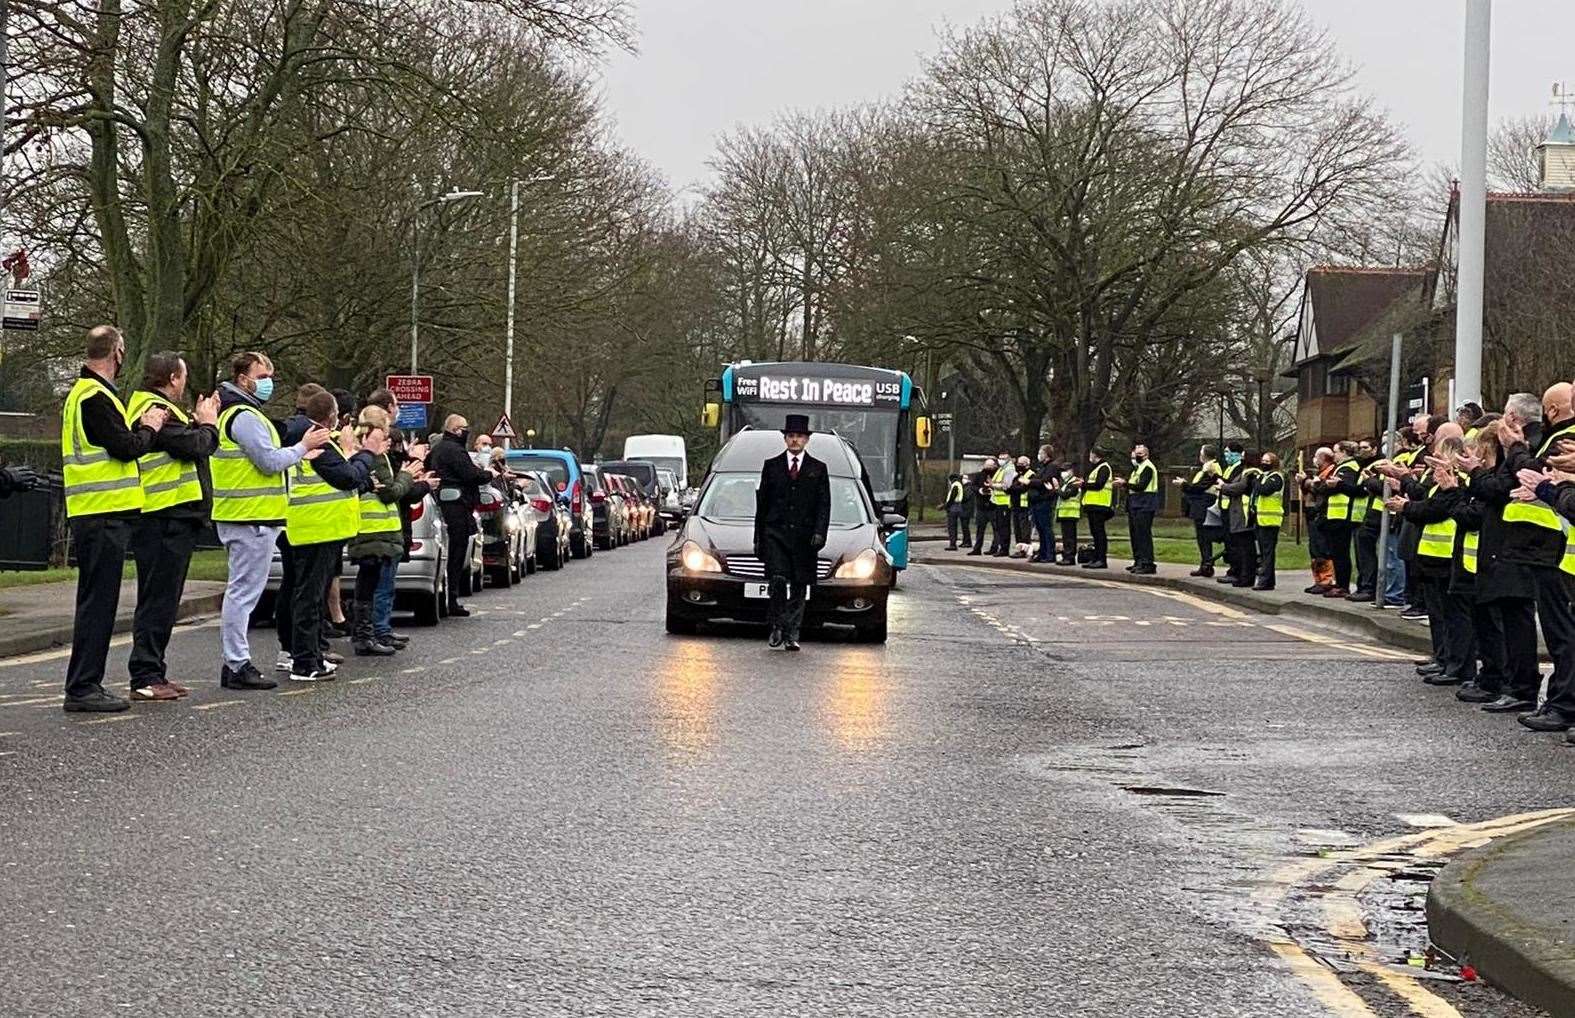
415, 265
514, 244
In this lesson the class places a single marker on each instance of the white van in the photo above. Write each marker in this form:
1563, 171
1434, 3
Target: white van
666, 451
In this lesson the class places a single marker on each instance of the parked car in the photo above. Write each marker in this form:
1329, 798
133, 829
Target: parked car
562, 468
508, 534
421, 583
645, 474
712, 570
552, 519
670, 508
633, 508
608, 522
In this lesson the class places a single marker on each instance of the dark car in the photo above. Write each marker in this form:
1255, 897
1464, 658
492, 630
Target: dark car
562, 468
607, 510
712, 571
644, 473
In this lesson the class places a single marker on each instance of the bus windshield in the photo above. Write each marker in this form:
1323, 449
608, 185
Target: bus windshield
873, 433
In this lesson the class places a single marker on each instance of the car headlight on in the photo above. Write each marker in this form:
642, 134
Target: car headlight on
697, 560
861, 567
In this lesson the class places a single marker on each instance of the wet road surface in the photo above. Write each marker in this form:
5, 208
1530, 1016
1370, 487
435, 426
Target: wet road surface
1041, 797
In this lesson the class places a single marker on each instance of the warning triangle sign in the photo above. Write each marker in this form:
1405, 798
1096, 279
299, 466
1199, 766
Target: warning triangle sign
504, 429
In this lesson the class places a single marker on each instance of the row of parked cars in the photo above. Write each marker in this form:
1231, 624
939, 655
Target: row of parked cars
548, 510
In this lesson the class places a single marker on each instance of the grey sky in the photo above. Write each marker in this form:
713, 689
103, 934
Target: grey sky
706, 66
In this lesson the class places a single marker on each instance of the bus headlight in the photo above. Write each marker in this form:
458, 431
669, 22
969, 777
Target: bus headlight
697, 560
860, 568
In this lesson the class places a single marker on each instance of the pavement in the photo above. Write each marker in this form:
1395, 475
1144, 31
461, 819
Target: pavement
1056, 796
1507, 909
39, 616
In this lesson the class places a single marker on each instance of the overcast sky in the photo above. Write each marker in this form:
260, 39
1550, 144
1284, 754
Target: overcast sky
706, 66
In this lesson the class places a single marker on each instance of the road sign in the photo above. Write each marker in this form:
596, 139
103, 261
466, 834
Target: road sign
504, 429
412, 416
411, 388
23, 310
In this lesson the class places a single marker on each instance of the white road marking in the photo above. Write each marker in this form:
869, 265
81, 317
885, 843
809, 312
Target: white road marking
1425, 820
110, 720
217, 704
417, 668
296, 692
365, 679
34, 702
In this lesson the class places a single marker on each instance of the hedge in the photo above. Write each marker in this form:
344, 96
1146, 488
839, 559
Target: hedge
41, 454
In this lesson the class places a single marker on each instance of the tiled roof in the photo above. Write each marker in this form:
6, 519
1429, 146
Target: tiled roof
1346, 299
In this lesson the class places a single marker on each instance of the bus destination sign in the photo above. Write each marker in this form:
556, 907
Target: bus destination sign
853, 392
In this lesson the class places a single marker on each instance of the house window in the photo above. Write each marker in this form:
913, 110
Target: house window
1336, 385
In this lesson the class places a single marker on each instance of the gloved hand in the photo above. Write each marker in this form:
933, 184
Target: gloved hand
817, 542
18, 478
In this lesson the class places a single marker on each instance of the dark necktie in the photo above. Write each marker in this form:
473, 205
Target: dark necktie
793, 469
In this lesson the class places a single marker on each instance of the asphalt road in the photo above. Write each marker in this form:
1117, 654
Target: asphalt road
1046, 798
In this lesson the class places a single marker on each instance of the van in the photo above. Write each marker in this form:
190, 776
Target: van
666, 451
562, 467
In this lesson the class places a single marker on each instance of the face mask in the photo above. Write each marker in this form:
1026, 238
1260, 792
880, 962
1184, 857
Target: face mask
1232, 458
264, 390
481, 457
463, 434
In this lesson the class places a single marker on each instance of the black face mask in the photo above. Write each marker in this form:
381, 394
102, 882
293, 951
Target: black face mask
463, 434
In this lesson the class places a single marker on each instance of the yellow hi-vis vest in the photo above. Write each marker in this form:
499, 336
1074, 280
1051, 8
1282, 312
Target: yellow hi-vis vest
1438, 539
1144, 479
1339, 507
317, 512
1270, 506
166, 481
1104, 498
1226, 501
95, 482
241, 492
1070, 507
377, 516
1539, 513
954, 493
1468, 551
998, 495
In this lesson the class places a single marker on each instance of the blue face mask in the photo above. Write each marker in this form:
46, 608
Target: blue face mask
264, 389
1232, 458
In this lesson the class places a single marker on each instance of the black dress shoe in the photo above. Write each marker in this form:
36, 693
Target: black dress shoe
1444, 679
1145, 570
1096, 565
1202, 571
99, 701
1546, 720
1419, 662
775, 639
1508, 703
458, 611
1263, 586
1132, 568
1431, 668
1317, 589
971, 553
1227, 578
1360, 597
790, 643
1471, 692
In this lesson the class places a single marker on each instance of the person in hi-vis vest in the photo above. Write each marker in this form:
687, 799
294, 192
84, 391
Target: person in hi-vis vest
98, 454
1098, 494
177, 499
1268, 497
1143, 503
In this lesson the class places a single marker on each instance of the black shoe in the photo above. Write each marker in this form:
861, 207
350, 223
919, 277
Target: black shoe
1096, 565
1360, 597
1546, 720
1419, 662
775, 639
1263, 586
99, 701
1144, 570
1471, 692
1317, 590
1411, 614
336, 630
459, 611
398, 640
1132, 568
1431, 668
1569, 737
371, 648
1067, 562
1444, 679
790, 643
1227, 578
1202, 571
247, 678
1508, 703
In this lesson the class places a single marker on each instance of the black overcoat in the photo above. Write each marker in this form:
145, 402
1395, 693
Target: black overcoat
791, 516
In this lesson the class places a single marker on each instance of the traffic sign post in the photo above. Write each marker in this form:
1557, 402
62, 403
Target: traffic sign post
411, 388
23, 310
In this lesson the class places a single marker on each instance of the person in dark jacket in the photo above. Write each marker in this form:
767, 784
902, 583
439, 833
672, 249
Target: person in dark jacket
792, 514
1022, 519
1429, 506
1345, 506
376, 551
1366, 537
178, 499
1269, 503
1197, 498
459, 493
1487, 625
1241, 524
96, 429
958, 507
1097, 490
292, 431
1042, 492
1143, 504
984, 510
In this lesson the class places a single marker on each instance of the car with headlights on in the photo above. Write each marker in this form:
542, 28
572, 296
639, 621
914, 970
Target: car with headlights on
712, 570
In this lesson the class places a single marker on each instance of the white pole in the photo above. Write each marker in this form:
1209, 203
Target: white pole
1473, 201
1393, 417
508, 351
415, 286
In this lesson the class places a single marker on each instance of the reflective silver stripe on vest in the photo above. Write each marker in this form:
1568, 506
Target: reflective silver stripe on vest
92, 486
154, 489
155, 460
84, 459
229, 454
247, 492
333, 496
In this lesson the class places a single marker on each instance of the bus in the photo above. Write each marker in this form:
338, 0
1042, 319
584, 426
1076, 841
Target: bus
880, 411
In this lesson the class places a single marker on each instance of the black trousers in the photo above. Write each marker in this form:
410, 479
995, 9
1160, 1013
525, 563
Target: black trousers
100, 543
1001, 530
1487, 622
1044, 529
1558, 632
1022, 525
459, 523
315, 566
1268, 550
955, 522
1338, 535
1449, 618
1366, 558
1069, 540
785, 611
1518, 618
1140, 527
982, 516
1205, 537
284, 601
162, 547
1243, 547
1097, 518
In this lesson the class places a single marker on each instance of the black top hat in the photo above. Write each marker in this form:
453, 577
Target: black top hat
797, 424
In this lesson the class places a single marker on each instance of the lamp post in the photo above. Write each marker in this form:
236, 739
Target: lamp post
514, 246
415, 266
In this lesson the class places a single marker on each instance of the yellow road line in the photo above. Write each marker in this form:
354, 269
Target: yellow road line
1323, 983
1419, 999
1382, 653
